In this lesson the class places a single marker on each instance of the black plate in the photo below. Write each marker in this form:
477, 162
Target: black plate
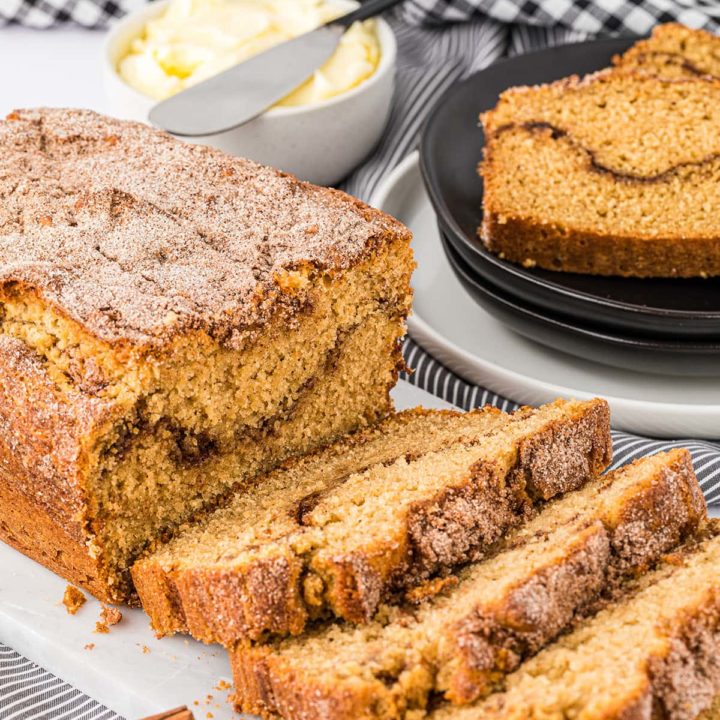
631, 353
451, 148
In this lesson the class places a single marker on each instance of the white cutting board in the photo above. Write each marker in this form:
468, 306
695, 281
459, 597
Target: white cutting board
117, 672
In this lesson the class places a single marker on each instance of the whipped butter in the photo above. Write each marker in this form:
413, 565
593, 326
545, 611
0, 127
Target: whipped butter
192, 40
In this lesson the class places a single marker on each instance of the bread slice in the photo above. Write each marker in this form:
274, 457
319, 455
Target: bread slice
335, 533
655, 654
614, 174
461, 643
674, 51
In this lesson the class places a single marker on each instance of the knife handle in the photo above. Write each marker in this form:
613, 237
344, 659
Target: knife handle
368, 9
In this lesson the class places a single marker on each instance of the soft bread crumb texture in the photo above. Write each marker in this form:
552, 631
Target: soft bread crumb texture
338, 532
110, 615
653, 653
463, 642
198, 331
73, 599
574, 181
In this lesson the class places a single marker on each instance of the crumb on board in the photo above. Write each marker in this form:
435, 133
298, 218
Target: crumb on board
110, 615
145, 649
223, 685
90, 646
73, 599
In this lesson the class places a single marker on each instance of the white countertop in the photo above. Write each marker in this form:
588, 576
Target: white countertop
60, 68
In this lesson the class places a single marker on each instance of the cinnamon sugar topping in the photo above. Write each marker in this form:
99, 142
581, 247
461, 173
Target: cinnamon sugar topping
123, 227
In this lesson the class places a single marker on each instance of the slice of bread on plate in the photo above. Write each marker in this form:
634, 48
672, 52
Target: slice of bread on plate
613, 174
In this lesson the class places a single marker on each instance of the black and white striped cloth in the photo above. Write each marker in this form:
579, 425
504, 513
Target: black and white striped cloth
440, 41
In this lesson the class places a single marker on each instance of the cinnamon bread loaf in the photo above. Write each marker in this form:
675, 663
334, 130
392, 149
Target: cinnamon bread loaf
173, 322
653, 654
614, 174
462, 642
674, 51
337, 532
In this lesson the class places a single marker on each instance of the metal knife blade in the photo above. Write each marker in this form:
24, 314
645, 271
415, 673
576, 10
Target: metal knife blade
216, 105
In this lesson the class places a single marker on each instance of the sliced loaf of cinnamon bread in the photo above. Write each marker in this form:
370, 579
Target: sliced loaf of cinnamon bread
462, 642
614, 174
337, 532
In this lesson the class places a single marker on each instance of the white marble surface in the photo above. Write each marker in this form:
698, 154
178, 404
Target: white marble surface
117, 671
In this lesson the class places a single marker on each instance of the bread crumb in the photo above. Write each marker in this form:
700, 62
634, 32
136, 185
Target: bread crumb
209, 715
73, 599
90, 646
146, 650
529, 263
110, 615
101, 628
223, 685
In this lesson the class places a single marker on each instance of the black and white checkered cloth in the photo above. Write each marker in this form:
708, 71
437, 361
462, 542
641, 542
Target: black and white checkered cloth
580, 16
440, 41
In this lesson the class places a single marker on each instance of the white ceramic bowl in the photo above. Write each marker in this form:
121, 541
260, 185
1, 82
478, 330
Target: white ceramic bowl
322, 142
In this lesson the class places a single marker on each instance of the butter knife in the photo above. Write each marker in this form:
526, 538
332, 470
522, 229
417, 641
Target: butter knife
246, 90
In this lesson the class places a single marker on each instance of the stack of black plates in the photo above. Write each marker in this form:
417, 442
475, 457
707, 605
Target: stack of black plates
658, 325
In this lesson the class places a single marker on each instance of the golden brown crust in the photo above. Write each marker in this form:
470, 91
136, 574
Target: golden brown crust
648, 524
161, 237
672, 509
522, 241
270, 691
43, 453
450, 528
685, 681
27, 527
489, 644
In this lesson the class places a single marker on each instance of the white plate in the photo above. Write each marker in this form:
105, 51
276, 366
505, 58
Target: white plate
117, 671
459, 333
